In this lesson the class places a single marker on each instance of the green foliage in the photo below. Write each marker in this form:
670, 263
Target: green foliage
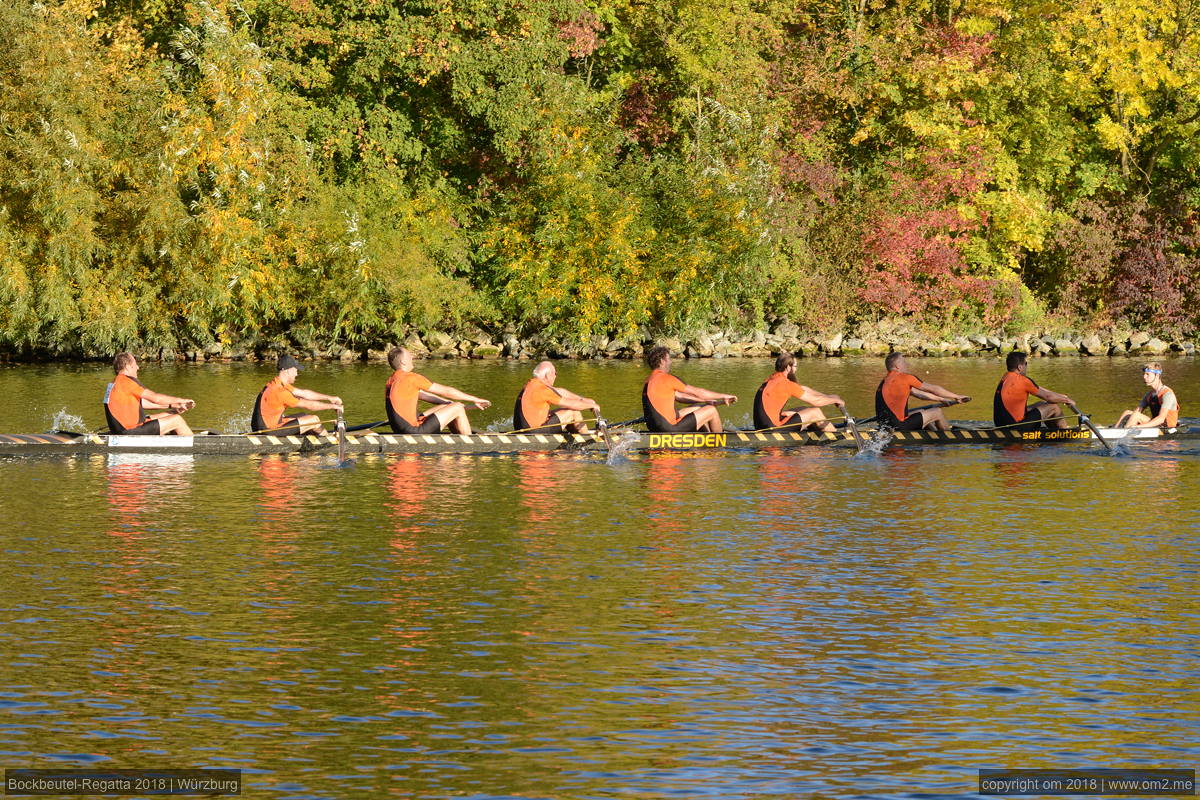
175, 172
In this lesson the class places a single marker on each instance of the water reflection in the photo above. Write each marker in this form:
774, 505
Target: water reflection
139, 486
773, 624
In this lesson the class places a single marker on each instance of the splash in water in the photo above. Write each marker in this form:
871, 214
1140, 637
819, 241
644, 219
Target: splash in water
875, 443
333, 462
621, 446
1120, 448
65, 421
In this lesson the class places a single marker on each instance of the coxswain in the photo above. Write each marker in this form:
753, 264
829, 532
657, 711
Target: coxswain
1009, 409
405, 388
542, 407
281, 394
662, 390
769, 413
1158, 408
126, 401
891, 399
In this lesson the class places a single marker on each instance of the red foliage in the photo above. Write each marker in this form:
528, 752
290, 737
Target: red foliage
1126, 261
582, 34
642, 113
913, 240
820, 178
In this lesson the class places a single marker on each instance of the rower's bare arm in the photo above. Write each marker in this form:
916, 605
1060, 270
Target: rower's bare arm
462, 397
1054, 397
568, 395
430, 397
815, 398
577, 403
694, 394
315, 405
936, 392
151, 399
315, 401
923, 395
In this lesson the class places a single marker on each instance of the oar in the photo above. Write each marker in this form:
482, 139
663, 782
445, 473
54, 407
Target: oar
341, 434
911, 411
633, 421
281, 427
366, 426
858, 438
1086, 420
602, 426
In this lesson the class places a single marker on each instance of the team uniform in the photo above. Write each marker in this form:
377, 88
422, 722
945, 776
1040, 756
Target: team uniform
123, 408
400, 397
532, 413
1009, 409
1153, 403
891, 402
272, 401
658, 405
770, 400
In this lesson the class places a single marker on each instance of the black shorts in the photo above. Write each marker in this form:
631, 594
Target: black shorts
763, 423
552, 425
288, 426
150, 427
657, 423
430, 424
913, 422
1032, 422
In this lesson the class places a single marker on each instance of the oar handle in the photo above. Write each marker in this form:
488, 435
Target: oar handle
1087, 421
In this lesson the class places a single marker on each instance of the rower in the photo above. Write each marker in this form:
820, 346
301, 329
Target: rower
891, 399
1009, 409
405, 388
532, 413
1159, 401
126, 401
769, 413
281, 394
662, 390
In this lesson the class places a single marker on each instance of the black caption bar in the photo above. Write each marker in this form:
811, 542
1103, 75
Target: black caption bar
1112, 782
82, 782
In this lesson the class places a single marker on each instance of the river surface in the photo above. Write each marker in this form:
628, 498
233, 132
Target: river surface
804, 623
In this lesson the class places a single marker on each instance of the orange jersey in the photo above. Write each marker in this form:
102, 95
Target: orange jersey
533, 404
1009, 403
1153, 402
773, 395
891, 398
658, 394
273, 400
402, 392
123, 400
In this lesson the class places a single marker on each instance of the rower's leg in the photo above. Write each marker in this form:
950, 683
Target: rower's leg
176, 425
452, 416
813, 419
1051, 415
707, 418
310, 423
571, 420
1135, 420
172, 423
934, 420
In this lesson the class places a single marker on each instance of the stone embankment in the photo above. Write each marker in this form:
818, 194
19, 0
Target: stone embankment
781, 337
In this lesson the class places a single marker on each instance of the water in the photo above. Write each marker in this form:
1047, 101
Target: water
813, 622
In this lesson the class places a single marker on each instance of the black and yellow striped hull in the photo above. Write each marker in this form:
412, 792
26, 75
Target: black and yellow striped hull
370, 442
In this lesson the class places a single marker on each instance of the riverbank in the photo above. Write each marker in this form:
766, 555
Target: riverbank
781, 337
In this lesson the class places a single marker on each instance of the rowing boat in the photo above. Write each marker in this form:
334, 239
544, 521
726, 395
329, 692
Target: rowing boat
640, 441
